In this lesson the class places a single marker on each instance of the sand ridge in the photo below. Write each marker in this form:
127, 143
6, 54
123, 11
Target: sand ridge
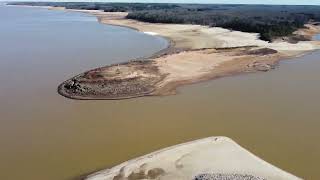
215, 156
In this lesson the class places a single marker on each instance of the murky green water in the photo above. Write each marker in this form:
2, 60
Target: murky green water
45, 136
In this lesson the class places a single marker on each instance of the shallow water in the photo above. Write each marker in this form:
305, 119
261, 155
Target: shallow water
46, 136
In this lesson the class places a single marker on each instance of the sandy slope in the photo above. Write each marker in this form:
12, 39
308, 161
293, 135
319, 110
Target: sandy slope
213, 155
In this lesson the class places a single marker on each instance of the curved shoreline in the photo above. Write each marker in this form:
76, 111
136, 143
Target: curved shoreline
168, 48
194, 53
183, 44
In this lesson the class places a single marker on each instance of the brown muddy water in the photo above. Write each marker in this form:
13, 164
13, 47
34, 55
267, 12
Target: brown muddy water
43, 135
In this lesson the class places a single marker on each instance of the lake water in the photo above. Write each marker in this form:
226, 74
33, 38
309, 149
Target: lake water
46, 136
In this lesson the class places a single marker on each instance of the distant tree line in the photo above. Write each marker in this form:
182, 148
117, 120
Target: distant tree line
270, 21
108, 7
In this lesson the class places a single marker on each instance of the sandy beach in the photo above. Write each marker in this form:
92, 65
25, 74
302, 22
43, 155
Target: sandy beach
196, 53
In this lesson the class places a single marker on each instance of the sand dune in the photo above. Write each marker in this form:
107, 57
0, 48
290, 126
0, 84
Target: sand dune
217, 157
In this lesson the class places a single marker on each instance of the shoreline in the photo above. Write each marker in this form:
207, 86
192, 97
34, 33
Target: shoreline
176, 46
167, 49
221, 52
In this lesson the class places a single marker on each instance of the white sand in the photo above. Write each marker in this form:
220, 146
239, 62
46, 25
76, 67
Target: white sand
187, 36
151, 33
185, 161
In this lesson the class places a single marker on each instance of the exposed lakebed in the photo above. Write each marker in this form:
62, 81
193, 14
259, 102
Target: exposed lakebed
46, 136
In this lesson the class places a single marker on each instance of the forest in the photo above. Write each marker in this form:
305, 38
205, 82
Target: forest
270, 21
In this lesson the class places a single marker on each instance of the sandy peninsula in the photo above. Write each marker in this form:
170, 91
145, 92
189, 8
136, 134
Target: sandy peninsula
213, 158
196, 53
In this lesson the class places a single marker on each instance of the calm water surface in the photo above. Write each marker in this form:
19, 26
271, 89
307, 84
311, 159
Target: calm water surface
46, 136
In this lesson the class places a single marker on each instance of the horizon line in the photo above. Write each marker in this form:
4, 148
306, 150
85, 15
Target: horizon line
143, 2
